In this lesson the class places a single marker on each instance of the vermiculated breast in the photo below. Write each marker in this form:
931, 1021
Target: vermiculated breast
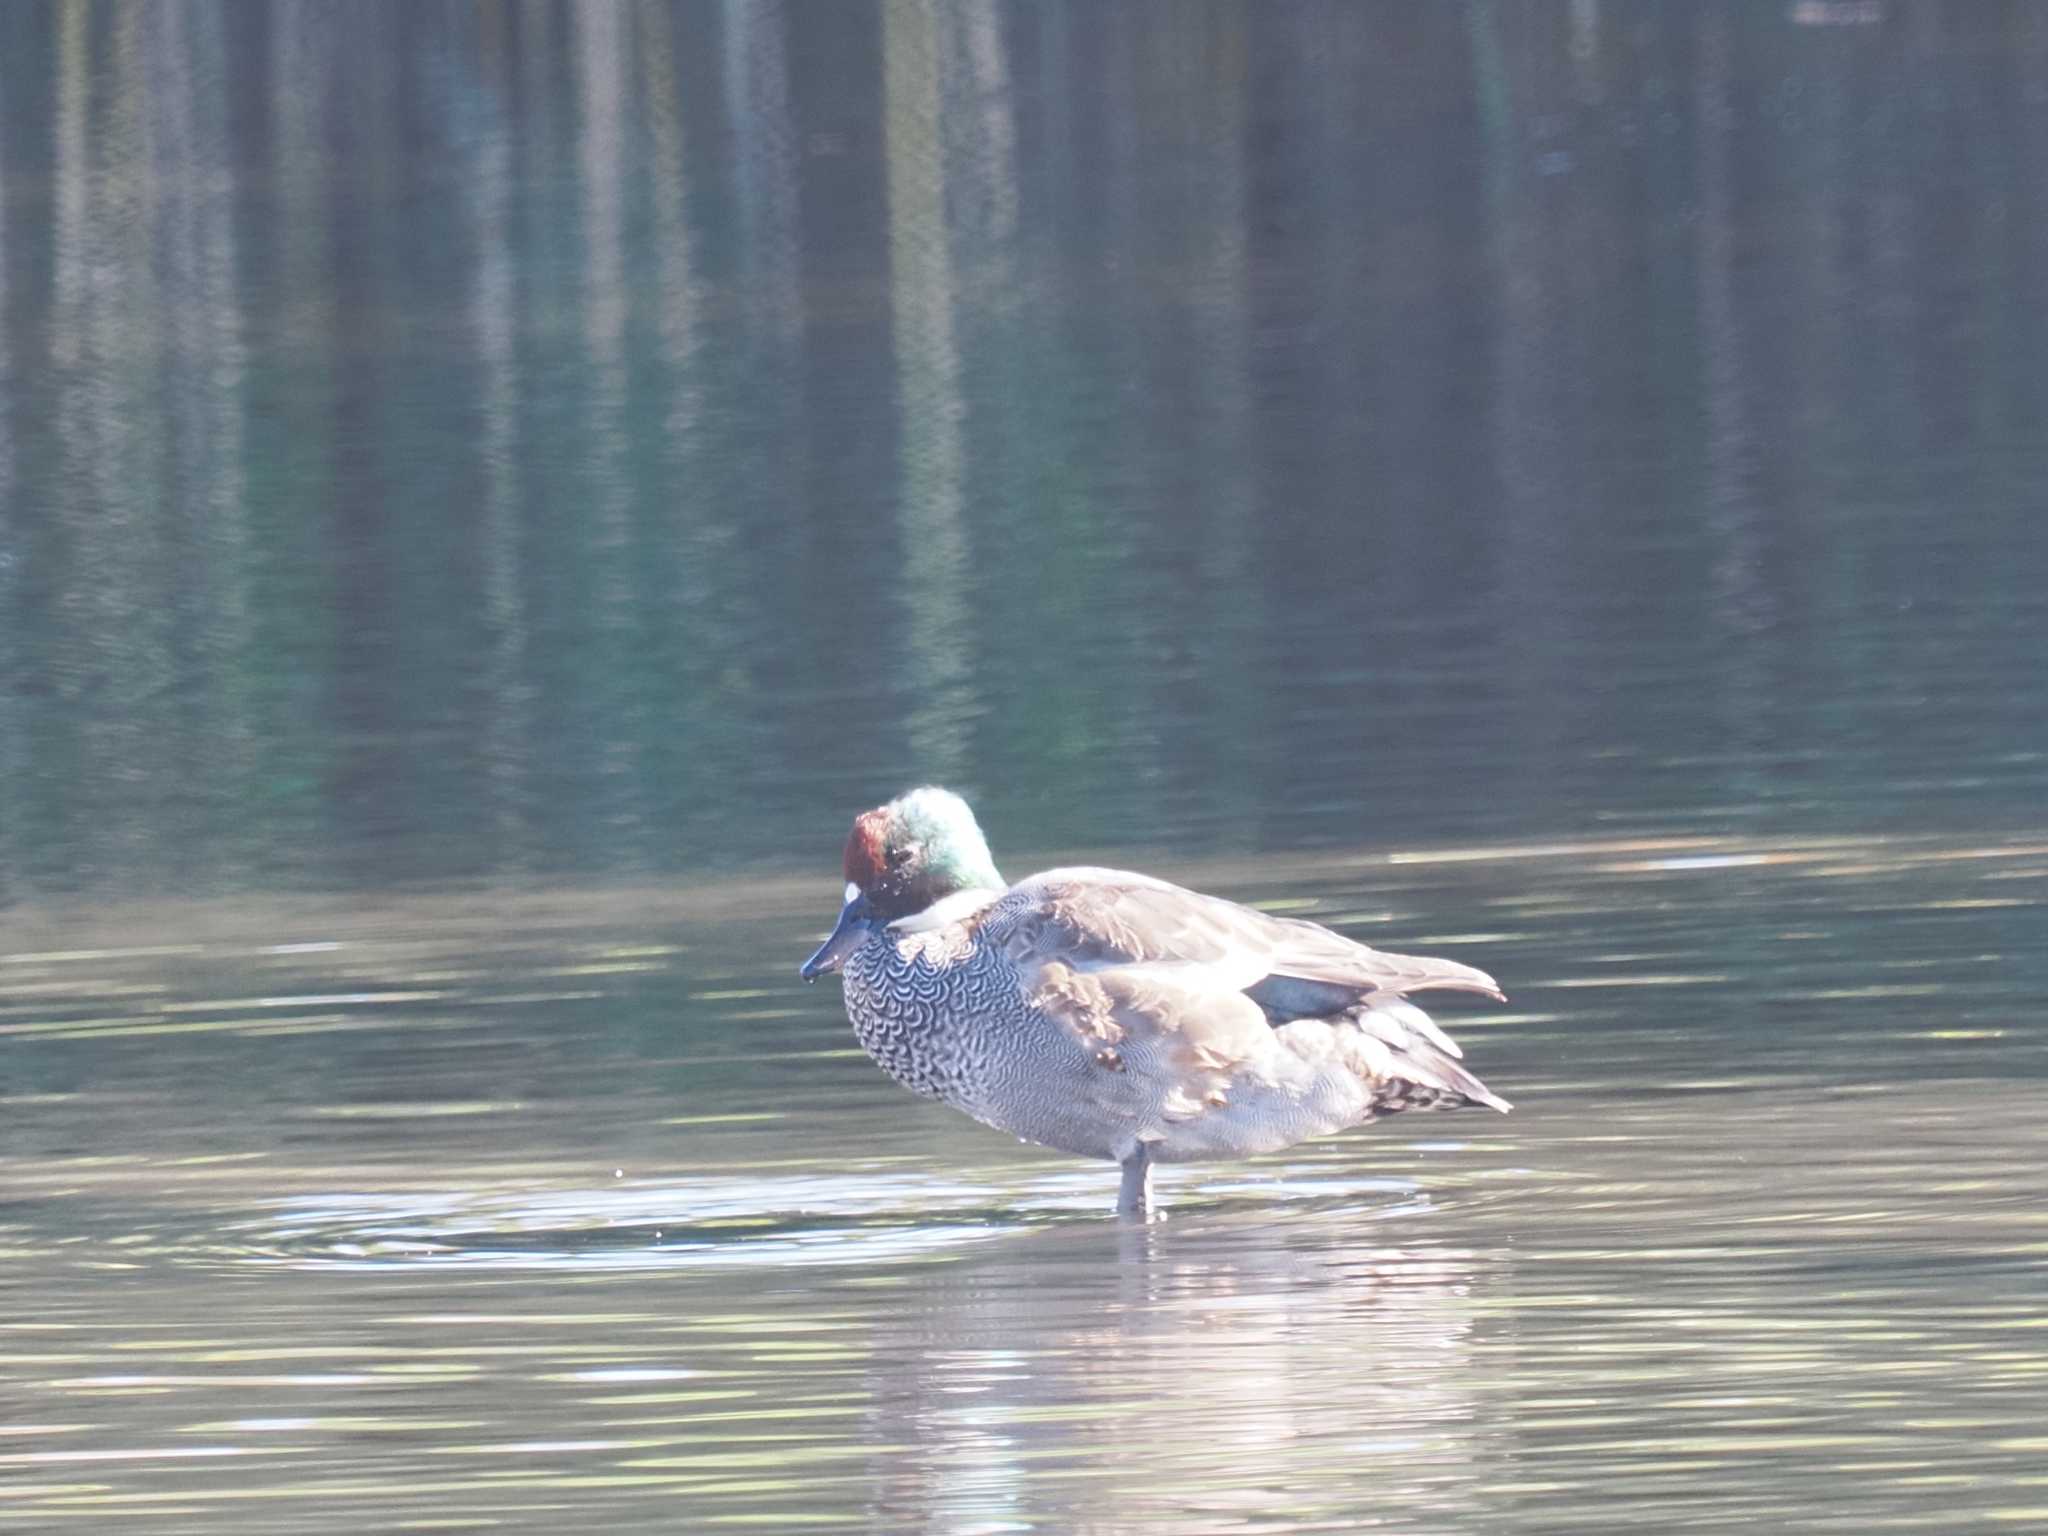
929, 1012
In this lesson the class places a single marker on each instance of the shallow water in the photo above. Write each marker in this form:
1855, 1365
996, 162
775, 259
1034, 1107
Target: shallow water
487, 489
515, 1209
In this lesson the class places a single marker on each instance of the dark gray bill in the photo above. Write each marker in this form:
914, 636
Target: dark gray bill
846, 938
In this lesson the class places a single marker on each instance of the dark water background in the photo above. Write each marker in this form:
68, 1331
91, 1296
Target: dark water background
487, 489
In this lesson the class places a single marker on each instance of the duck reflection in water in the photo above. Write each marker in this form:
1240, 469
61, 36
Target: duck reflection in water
1226, 1342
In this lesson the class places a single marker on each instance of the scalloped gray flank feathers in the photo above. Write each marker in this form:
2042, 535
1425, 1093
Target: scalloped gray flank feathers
1112, 1015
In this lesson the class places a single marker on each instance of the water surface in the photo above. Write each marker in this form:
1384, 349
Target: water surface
487, 489
457, 440
577, 1205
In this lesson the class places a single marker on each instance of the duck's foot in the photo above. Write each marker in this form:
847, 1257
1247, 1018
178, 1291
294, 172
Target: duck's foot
1134, 1196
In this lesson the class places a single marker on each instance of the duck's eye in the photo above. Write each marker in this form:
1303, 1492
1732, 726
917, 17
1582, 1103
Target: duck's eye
899, 856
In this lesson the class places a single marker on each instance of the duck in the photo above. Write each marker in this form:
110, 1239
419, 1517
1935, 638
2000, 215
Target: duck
1112, 1015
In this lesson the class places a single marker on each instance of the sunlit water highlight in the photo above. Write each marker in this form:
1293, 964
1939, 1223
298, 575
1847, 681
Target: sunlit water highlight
399, 1227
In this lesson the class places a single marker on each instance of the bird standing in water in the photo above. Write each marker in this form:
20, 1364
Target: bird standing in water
1112, 1015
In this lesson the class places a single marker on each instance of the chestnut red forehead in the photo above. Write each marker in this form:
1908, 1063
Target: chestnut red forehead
866, 859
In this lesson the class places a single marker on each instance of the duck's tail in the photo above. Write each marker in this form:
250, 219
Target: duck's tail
1410, 1063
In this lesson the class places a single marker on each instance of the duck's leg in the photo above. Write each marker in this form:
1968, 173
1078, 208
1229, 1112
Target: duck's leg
1134, 1197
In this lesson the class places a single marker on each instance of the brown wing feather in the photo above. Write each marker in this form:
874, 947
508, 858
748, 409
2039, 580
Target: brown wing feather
1096, 919
1188, 988
1193, 1038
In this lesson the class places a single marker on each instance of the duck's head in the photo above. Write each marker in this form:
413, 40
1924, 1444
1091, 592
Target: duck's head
900, 858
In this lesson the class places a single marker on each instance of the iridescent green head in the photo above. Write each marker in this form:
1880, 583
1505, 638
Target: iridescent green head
900, 858
920, 847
